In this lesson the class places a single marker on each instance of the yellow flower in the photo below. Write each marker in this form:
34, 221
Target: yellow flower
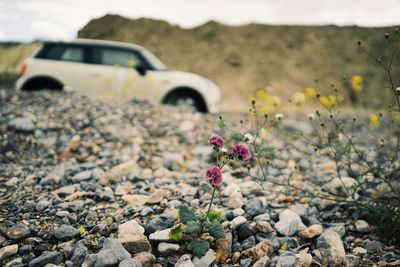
261, 94
298, 98
328, 101
310, 93
276, 101
356, 83
82, 230
131, 63
374, 121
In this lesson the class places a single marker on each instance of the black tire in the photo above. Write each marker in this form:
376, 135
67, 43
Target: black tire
40, 83
185, 98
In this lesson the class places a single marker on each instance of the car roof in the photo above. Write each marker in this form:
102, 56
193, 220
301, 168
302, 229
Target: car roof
99, 43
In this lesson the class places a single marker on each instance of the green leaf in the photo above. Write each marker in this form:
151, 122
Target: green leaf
199, 247
216, 230
214, 216
186, 214
193, 229
176, 233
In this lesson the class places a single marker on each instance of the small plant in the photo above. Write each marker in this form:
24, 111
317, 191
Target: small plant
199, 230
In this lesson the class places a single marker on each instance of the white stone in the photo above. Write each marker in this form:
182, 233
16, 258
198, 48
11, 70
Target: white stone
167, 247
131, 235
289, 223
8, 251
184, 261
206, 260
239, 220
161, 235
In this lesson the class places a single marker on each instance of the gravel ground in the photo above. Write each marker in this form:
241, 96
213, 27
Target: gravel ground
86, 183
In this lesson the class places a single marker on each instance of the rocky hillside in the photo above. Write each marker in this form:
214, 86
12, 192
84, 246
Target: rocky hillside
243, 59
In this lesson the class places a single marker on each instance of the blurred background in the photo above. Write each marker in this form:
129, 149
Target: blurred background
245, 47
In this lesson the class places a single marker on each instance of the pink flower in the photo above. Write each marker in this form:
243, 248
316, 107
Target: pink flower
242, 152
216, 141
214, 176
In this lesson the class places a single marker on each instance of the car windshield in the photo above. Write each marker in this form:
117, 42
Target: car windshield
153, 60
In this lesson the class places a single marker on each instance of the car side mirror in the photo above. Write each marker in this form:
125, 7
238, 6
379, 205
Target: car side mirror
141, 69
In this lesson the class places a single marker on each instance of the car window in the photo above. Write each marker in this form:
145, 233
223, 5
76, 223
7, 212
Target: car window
117, 57
61, 52
72, 54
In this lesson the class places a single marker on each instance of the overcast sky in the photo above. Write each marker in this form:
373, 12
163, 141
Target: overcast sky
61, 19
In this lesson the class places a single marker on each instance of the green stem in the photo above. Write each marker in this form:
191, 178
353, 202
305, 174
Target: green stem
212, 199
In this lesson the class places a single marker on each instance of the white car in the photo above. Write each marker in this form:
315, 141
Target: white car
115, 70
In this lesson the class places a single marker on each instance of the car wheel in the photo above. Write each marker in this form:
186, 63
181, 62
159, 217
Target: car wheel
184, 101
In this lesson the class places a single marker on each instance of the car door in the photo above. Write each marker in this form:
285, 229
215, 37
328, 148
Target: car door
113, 73
66, 63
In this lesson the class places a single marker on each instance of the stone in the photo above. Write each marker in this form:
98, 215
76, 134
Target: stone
22, 124
82, 176
114, 175
263, 262
167, 248
65, 232
79, 254
116, 246
131, 235
338, 228
47, 257
186, 126
239, 220
311, 232
135, 200
107, 194
248, 243
331, 248
42, 205
74, 143
12, 182
17, 262
262, 249
18, 232
159, 236
184, 261
129, 263
354, 261
146, 259
106, 258
303, 259
286, 260
8, 251
262, 217
206, 260
156, 197
362, 227
90, 260
264, 227
123, 189
289, 223
224, 247
338, 186
66, 190
256, 206
372, 246
246, 262
359, 251
244, 231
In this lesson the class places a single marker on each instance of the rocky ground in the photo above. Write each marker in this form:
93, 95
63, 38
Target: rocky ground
85, 183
